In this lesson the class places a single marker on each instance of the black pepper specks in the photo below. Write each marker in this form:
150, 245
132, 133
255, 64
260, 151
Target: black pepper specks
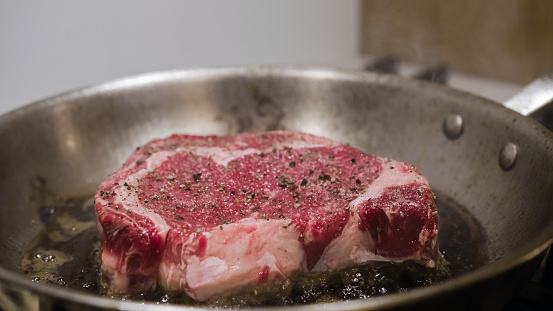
325, 177
197, 177
286, 181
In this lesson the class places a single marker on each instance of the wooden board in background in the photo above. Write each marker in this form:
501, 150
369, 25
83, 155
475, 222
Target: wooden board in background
510, 40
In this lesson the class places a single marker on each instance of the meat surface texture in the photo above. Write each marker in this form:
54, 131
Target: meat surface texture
214, 215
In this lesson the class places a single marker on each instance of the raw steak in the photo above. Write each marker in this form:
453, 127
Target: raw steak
213, 215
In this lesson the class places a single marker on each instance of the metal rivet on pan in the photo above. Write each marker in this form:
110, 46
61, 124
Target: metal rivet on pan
453, 126
508, 156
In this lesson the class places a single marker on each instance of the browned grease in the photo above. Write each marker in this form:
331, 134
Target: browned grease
67, 253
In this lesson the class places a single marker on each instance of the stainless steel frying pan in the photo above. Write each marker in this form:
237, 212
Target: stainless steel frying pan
496, 163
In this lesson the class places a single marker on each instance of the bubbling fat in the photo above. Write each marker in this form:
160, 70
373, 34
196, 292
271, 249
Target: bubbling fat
66, 253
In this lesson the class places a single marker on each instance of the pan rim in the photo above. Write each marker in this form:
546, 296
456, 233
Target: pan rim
532, 250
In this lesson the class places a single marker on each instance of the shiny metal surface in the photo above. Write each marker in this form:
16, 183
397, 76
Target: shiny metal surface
453, 126
533, 97
73, 141
508, 156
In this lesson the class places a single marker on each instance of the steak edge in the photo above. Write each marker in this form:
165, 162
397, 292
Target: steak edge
214, 215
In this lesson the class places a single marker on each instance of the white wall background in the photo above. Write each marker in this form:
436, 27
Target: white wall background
47, 47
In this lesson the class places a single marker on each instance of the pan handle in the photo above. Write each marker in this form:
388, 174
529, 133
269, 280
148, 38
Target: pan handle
535, 100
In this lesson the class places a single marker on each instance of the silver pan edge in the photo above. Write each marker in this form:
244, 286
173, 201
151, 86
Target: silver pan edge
76, 139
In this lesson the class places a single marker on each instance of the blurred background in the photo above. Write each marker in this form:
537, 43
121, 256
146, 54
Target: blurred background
491, 48
51, 46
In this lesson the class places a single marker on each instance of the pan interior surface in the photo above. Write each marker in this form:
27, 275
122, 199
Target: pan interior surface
66, 145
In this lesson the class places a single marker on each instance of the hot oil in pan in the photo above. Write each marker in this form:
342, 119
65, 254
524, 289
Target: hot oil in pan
67, 253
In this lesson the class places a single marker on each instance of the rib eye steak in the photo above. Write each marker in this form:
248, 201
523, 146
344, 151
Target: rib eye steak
213, 215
